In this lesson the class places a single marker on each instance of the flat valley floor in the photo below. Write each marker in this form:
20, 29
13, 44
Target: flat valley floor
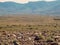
29, 30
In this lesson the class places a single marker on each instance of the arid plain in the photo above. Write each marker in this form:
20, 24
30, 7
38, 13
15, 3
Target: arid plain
29, 30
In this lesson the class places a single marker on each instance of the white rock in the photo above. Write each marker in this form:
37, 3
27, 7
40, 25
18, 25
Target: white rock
14, 35
36, 33
19, 37
57, 36
29, 38
59, 43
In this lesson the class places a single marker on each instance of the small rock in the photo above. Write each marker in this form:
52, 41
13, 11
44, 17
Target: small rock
54, 44
37, 38
14, 35
15, 43
49, 41
29, 38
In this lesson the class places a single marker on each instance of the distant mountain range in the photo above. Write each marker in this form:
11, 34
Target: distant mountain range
40, 7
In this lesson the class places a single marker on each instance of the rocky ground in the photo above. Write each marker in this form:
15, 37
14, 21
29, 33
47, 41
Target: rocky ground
30, 37
29, 30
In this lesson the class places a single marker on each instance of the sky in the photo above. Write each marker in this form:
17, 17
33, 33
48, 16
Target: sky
25, 1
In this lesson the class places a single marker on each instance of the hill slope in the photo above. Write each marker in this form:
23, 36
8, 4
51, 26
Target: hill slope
42, 7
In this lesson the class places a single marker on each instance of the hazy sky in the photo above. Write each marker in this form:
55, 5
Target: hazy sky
25, 1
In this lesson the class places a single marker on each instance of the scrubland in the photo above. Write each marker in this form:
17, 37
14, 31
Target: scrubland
29, 30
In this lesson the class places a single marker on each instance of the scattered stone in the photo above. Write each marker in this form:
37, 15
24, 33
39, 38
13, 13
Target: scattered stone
49, 41
15, 43
29, 38
54, 44
5, 44
14, 35
37, 38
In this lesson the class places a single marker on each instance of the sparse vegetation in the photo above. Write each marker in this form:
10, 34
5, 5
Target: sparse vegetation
30, 30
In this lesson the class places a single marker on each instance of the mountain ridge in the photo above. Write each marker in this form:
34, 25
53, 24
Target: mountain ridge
40, 7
